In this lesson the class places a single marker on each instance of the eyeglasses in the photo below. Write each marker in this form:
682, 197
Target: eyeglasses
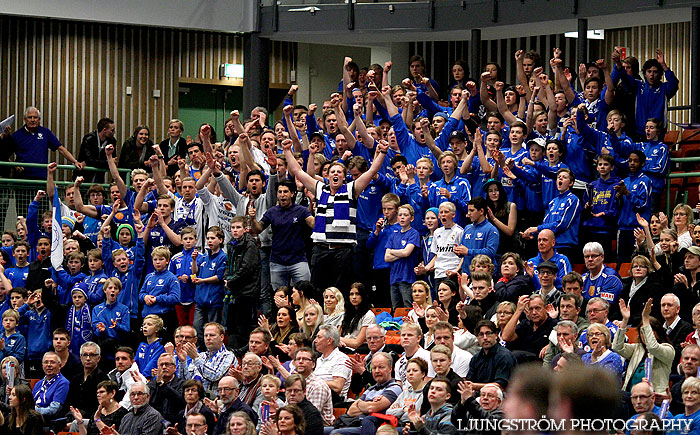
639, 266
591, 256
596, 310
373, 338
249, 363
136, 393
89, 355
303, 358
485, 334
226, 389
679, 214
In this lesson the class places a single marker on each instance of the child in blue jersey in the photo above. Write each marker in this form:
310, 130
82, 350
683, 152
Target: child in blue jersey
402, 252
9, 239
38, 329
516, 152
635, 195
377, 240
161, 290
110, 319
602, 205
66, 279
76, 315
12, 342
96, 278
656, 152
18, 274
562, 217
125, 234
117, 264
208, 272
92, 225
181, 267
148, 352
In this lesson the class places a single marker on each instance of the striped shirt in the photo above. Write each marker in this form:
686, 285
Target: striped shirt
335, 233
210, 367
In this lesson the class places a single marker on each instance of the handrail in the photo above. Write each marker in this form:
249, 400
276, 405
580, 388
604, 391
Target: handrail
67, 167
674, 175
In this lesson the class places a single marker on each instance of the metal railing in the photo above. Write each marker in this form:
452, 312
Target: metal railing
17, 193
675, 175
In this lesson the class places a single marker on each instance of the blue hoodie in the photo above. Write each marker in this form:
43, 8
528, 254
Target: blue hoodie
651, 101
601, 196
578, 157
106, 314
597, 140
65, 282
460, 195
211, 295
531, 185
181, 264
638, 201
129, 295
96, 292
562, 217
40, 335
15, 345
369, 202
410, 148
481, 238
656, 163
165, 287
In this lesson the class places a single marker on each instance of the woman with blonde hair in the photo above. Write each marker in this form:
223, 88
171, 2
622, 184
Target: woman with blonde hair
333, 306
5, 388
313, 319
240, 424
420, 290
682, 218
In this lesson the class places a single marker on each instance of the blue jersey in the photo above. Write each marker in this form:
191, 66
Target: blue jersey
115, 318
529, 183
578, 157
95, 283
40, 333
562, 262
480, 239
147, 357
378, 244
562, 217
656, 163
15, 345
651, 101
548, 174
600, 194
211, 295
410, 148
638, 201
17, 275
402, 270
606, 285
129, 295
460, 195
508, 183
181, 264
369, 202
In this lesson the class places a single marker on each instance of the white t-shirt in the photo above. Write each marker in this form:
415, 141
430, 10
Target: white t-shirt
334, 366
367, 320
444, 241
460, 361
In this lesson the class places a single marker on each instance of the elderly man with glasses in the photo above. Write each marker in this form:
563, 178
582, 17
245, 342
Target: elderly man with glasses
81, 393
597, 312
228, 403
600, 280
143, 418
166, 389
362, 367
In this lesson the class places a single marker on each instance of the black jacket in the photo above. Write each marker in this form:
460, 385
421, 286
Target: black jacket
243, 268
129, 155
93, 154
510, 291
168, 399
81, 393
652, 288
38, 273
488, 305
180, 150
470, 410
208, 415
314, 422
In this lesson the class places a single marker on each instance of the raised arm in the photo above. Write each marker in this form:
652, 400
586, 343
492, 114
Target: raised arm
363, 180
291, 128
367, 140
80, 207
294, 168
388, 102
530, 120
609, 84
484, 93
109, 152
141, 195
50, 174
501, 104
157, 177
343, 127
556, 63
520, 73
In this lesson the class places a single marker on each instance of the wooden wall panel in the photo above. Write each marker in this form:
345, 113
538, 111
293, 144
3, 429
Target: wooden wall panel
77, 72
642, 41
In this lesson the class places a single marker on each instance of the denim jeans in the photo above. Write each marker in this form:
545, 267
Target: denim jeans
288, 275
401, 295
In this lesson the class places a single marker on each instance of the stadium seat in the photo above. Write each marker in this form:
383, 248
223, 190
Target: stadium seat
580, 268
625, 270
381, 310
337, 412
401, 312
33, 382
632, 335
612, 265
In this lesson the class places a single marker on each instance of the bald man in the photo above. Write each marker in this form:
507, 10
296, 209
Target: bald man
545, 246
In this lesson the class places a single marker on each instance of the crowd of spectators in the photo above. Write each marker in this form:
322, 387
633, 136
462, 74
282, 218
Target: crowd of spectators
230, 289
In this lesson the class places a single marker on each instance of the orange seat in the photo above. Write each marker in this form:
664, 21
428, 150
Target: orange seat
337, 412
632, 335
625, 269
401, 312
33, 382
580, 268
612, 265
381, 310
